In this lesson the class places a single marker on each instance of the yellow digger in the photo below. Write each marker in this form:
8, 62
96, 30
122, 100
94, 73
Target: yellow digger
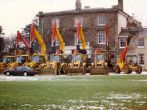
55, 65
20, 60
7, 60
126, 63
99, 65
77, 66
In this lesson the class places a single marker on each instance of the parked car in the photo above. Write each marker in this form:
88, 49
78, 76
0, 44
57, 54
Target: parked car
21, 71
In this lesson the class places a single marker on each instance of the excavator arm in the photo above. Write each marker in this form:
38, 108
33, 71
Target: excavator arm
122, 56
39, 39
82, 38
20, 37
60, 39
124, 52
80, 35
55, 32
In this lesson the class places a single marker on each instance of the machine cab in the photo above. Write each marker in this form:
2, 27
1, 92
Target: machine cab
38, 58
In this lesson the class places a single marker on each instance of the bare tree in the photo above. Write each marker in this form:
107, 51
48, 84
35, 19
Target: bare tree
10, 44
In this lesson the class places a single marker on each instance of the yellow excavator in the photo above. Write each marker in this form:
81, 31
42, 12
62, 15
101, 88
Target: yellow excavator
37, 60
56, 62
21, 58
99, 65
126, 63
78, 64
6, 61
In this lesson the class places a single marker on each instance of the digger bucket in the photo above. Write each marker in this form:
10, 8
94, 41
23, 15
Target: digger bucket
99, 71
75, 71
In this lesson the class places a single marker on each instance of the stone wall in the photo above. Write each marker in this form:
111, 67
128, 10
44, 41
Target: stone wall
90, 28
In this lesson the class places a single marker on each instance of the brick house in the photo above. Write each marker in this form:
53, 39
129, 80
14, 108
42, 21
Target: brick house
93, 23
137, 45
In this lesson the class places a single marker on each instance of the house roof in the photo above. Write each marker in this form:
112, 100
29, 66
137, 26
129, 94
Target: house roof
124, 32
83, 11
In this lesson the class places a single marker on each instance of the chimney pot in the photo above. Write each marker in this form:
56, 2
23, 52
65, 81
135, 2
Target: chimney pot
120, 4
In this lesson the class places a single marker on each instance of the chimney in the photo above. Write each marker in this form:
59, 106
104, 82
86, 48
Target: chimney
78, 5
120, 4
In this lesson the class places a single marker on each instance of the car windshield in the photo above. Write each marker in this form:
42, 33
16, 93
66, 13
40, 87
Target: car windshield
99, 57
55, 58
132, 59
77, 58
22, 68
5, 60
38, 59
19, 59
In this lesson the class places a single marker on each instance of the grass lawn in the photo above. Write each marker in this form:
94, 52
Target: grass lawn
120, 92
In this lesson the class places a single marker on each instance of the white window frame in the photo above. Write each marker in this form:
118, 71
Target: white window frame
101, 20
57, 22
101, 36
141, 41
121, 41
76, 21
55, 41
139, 59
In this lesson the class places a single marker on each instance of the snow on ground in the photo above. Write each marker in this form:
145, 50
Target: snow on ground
56, 77
112, 101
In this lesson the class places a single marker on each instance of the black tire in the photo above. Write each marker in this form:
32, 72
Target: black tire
117, 69
8, 73
25, 73
63, 69
127, 70
139, 69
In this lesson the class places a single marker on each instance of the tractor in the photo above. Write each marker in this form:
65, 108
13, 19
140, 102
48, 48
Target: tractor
99, 65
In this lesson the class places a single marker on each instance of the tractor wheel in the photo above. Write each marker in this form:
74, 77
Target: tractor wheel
139, 69
117, 69
127, 70
63, 69
7, 73
25, 73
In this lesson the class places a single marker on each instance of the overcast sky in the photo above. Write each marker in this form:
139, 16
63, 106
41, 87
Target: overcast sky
15, 14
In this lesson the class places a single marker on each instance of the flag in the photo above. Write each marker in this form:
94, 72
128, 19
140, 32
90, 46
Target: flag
32, 34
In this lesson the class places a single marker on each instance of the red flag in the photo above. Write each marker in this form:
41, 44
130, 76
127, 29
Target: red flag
107, 32
53, 31
32, 33
78, 29
17, 38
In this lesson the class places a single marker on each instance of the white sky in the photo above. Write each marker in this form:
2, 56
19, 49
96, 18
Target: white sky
15, 14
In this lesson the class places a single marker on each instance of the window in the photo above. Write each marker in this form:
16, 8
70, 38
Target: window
101, 20
57, 22
141, 59
122, 42
76, 21
101, 37
55, 43
140, 42
75, 39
